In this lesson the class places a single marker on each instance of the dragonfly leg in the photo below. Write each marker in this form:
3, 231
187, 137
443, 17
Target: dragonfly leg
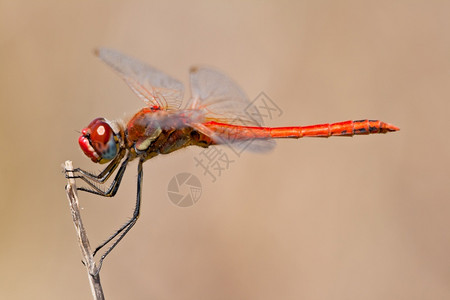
122, 231
112, 189
104, 175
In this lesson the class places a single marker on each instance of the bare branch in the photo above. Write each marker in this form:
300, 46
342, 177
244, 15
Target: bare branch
88, 258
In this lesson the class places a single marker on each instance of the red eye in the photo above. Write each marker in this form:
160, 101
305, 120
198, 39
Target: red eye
100, 132
98, 142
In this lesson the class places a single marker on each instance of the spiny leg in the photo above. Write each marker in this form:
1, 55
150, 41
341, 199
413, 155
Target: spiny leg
112, 189
125, 228
104, 175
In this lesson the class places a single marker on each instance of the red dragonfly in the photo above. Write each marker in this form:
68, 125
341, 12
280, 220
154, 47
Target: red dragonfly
218, 112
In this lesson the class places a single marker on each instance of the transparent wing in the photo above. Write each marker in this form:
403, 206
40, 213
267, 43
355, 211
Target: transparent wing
150, 84
221, 98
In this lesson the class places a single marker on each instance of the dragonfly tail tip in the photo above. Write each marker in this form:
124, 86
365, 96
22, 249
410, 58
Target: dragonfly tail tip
390, 127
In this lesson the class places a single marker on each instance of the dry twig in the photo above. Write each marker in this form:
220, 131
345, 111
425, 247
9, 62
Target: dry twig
88, 258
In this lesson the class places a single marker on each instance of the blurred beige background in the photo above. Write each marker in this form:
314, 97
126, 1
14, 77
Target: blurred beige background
343, 218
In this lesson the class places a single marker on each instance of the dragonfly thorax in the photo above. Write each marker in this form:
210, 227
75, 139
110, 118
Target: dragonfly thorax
99, 141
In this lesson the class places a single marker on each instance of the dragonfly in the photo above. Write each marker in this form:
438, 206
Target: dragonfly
218, 112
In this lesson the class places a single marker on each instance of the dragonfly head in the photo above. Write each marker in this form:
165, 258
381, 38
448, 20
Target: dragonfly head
99, 141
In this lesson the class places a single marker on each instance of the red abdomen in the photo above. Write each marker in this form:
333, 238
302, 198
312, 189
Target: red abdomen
346, 128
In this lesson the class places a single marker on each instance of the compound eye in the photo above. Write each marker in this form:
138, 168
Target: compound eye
101, 134
98, 141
